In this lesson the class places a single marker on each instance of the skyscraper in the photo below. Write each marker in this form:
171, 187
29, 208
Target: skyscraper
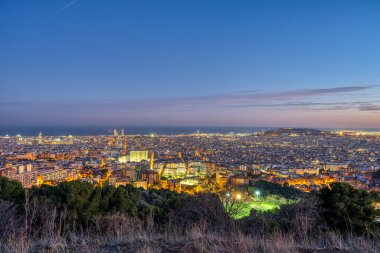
116, 137
40, 140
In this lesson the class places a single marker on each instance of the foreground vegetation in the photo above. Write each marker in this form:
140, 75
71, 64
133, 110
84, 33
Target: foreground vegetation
80, 217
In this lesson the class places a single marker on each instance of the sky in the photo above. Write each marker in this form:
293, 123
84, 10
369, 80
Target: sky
190, 63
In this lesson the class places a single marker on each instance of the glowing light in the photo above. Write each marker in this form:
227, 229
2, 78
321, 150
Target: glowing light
238, 196
257, 193
228, 194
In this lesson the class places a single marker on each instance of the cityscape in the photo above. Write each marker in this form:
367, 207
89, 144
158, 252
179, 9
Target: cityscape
306, 159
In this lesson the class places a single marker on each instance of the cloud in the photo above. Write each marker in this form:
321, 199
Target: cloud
327, 91
326, 99
254, 96
369, 107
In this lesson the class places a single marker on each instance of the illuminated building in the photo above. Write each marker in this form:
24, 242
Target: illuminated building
40, 140
151, 160
335, 166
123, 159
24, 174
138, 156
52, 174
222, 177
150, 176
116, 137
125, 147
141, 183
128, 173
239, 180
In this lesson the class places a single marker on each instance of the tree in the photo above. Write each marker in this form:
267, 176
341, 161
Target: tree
346, 208
11, 190
205, 208
234, 204
269, 188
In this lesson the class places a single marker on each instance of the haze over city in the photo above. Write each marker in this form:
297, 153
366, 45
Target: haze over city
190, 63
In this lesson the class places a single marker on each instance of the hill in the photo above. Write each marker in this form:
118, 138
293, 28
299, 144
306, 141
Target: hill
297, 132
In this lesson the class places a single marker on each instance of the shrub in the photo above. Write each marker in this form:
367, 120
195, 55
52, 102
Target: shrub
346, 208
11, 190
205, 208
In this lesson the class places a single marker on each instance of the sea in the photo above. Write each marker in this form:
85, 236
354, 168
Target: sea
108, 130
143, 130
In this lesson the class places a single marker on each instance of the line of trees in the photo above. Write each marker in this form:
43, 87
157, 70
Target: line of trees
339, 207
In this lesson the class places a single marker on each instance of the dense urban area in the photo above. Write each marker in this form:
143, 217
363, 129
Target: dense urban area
304, 158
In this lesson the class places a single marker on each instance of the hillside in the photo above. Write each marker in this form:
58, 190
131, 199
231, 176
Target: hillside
297, 132
80, 217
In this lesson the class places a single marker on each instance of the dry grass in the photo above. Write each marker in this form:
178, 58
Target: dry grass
195, 241
43, 229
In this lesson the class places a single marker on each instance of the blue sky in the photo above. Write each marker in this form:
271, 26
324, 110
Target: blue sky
219, 63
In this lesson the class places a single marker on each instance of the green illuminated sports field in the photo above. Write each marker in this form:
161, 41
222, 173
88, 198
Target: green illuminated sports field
270, 203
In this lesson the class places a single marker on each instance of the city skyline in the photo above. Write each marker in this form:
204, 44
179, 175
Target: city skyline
203, 63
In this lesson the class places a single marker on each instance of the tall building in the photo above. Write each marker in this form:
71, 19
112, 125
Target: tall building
125, 147
40, 139
116, 138
138, 156
122, 132
151, 160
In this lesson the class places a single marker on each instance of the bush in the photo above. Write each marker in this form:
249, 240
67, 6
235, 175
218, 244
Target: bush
206, 209
346, 208
11, 190
83, 201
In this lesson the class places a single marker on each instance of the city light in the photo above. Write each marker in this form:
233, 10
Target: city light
188, 163
257, 193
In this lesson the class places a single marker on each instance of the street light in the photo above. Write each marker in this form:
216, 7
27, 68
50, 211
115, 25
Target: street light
257, 193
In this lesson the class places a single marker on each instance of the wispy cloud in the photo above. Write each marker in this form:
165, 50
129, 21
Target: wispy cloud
306, 93
327, 107
369, 107
64, 8
305, 100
